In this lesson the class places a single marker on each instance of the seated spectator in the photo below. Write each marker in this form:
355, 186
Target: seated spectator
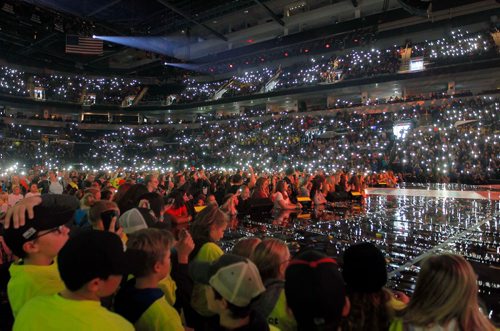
244, 202
55, 186
33, 191
91, 266
261, 189
141, 301
15, 196
372, 305
445, 298
281, 199
178, 209
315, 292
37, 244
271, 257
233, 283
245, 246
316, 194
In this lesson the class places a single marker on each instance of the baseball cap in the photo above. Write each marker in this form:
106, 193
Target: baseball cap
91, 254
136, 219
235, 278
45, 218
361, 260
314, 289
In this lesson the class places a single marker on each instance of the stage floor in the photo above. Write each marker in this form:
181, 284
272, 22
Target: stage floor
408, 224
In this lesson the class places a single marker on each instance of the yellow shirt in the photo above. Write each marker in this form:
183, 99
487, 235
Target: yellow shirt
56, 313
280, 316
208, 252
159, 316
28, 281
168, 287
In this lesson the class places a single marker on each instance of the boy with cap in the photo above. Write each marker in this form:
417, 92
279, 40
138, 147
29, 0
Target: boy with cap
315, 292
141, 301
91, 266
37, 243
234, 282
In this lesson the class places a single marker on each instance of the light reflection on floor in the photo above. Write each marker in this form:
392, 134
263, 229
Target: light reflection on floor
407, 224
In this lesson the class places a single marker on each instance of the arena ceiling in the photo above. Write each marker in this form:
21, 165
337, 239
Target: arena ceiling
34, 31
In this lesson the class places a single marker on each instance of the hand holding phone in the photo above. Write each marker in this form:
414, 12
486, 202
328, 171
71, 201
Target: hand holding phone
110, 220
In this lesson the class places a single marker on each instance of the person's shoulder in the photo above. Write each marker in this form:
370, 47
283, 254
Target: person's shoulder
209, 252
160, 316
396, 325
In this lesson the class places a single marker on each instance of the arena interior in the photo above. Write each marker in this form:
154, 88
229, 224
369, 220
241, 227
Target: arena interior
363, 131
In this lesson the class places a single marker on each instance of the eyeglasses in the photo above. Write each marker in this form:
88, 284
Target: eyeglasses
59, 230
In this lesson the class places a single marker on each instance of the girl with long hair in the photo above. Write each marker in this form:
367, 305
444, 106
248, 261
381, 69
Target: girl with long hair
445, 298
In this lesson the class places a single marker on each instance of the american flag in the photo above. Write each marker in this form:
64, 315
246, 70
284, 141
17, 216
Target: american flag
83, 45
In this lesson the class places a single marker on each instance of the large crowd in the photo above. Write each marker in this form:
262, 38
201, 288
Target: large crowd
65, 233
456, 141
459, 46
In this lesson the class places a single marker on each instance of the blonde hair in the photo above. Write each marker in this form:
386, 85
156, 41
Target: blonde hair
87, 201
268, 256
147, 247
446, 289
4, 196
245, 246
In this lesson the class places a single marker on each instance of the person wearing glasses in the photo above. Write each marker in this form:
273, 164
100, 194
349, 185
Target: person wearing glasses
36, 243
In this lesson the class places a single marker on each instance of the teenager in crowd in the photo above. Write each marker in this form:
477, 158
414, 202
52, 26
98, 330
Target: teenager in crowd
445, 298
281, 198
271, 257
36, 244
232, 284
141, 301
315, 292
207, 229
91, 266
372, 305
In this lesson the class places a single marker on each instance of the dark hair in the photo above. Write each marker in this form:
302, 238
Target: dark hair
122, 189
130, 198
156, 202
316, 185
98, 208
236, 312
106, 194
200, 229
178, 197
369, 310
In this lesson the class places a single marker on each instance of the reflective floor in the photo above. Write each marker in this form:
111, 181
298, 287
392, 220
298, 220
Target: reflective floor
408, 224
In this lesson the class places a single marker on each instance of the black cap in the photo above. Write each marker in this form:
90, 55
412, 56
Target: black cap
315, 290
45, 218
364, 268
89, 255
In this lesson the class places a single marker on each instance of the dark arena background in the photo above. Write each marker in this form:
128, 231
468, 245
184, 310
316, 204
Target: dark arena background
382, 116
